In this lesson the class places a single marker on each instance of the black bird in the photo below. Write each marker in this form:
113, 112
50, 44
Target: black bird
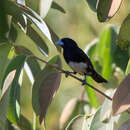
78, 60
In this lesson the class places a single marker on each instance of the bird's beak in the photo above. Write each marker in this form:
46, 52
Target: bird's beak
59, 43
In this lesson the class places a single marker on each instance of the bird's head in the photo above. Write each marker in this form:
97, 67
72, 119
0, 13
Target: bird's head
66, 43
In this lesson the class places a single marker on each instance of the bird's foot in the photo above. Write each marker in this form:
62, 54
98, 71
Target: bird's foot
84, 82
67, 73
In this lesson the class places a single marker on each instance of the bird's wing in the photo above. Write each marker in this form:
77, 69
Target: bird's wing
80, 56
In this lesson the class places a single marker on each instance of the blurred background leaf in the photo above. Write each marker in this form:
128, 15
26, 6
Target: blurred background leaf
123, 37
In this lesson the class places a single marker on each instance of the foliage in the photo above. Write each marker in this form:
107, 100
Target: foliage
24, 33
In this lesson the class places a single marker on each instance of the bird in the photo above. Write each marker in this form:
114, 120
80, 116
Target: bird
78, 61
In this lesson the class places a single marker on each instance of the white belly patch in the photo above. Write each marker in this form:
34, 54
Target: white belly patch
78, 67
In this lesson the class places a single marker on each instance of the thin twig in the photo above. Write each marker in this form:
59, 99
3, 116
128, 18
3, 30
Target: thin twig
63, 71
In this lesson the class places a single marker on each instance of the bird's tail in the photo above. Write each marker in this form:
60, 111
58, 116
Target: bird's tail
98, 78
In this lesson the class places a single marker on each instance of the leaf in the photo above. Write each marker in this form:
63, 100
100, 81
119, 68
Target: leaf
124, 34
90, 50
37, 39
25, 41
57, 6
73, 107
3, 109
7, 83
91, 94
121, 97
120, 57
106, 108
125, 126
80, 122
107, 39
13, 111
26, 10
4, 52
24, 123
32, 62
44, 88
98, 124
128, 68
92, 4
76, 123
4, 98
13, 10
4, 27
107, 9
54, 37
12, 34
31, 15
123, 118
45, 5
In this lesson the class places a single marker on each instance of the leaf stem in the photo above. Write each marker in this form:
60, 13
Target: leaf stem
77, 78
34, 121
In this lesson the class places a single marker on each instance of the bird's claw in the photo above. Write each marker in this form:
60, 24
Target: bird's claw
67, 73
84, 82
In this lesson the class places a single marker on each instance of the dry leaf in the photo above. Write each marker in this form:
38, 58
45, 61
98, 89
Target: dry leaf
115, 4
47, 92
121, 98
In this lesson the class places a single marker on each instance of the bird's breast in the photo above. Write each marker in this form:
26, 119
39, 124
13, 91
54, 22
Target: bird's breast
78, 67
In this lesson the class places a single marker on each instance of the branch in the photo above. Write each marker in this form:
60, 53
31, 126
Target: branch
63, 71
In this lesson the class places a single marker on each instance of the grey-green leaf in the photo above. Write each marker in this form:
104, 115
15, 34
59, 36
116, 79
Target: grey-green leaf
107, 9
92, 4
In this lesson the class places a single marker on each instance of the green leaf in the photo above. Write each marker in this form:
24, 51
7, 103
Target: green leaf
128, 68
37, 20
107, 9
54, 37
73, 108
124, 34
33, 4
44, 88
91, 94
4, 52
32, 62
25, 41
17, 11
24, 123
12, 34
57, 6
37, 39
4, 27
107, 39
13, 111
3, 109
91, 50
92, 4
120, 57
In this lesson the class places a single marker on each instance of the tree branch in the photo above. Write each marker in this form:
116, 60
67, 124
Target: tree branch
63, 71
